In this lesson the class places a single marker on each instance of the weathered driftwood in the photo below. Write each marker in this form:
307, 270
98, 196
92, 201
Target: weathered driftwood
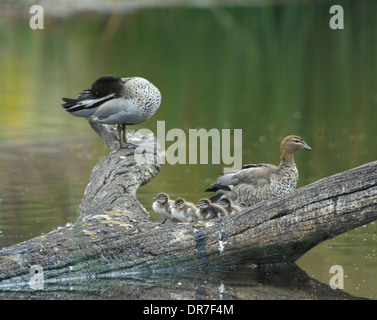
114, 236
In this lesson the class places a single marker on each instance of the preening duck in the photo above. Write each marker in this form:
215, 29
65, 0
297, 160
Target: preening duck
113, 100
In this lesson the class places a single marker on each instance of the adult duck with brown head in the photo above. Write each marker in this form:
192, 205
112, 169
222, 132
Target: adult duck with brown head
259, 182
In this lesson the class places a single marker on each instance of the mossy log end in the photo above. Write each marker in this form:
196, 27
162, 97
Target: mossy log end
113, 233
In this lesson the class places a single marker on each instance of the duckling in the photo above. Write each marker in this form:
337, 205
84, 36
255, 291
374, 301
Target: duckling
120, 101
163, 206
227, 204
184, 211
208, 210
259, 182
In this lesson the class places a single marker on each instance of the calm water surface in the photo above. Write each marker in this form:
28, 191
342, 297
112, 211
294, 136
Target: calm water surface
270, 71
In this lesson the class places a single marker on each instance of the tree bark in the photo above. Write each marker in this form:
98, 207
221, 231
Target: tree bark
113, 234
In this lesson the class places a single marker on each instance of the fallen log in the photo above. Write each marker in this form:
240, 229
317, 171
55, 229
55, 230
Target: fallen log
114, 236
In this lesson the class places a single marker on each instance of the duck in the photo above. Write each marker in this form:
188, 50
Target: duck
209, 210
114, 100
254, 183
227, 204
163, 206
184, 211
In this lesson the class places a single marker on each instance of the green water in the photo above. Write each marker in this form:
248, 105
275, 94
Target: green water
269, 70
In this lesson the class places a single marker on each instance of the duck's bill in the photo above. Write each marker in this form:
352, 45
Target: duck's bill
306, 147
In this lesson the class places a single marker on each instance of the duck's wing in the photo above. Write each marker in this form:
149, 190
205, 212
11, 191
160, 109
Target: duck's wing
86, 101
254, 174
222, 186
222, 183
249, 174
